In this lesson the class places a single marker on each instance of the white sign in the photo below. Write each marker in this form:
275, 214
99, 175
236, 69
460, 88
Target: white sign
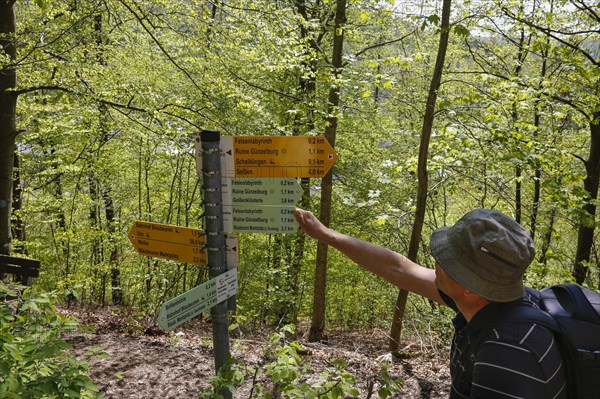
190, 304
233, 251
257, 192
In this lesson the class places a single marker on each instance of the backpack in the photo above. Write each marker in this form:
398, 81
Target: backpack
573, 314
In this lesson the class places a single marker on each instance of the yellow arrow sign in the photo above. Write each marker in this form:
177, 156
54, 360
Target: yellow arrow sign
182, 244
277, 156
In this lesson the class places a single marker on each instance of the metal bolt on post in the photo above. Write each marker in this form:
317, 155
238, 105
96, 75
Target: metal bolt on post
215, 241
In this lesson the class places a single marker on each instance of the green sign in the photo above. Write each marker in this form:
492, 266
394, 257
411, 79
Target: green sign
261, 192
190, 304
259, 219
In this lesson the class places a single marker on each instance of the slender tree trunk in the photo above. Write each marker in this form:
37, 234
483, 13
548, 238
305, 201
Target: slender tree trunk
422, 187
537, 180
104, 187
111, 225
307, 85
115, 272
18, 225
521, 55
537, 190
96, 257
547, 240
318, 317
585, 232
62, 241
518, 193
8, 129
537, 183
299, 243
94, 219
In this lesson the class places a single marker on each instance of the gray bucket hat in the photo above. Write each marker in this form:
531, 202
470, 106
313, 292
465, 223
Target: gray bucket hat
486, 252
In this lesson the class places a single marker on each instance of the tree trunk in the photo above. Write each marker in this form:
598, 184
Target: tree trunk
547, 241
518, 192
18, 225
307, 85
96, 257
428, 119
115, 272
8, 129
318, 317
537, 180
521, 55
299, 243
537, 117
585, 232
62, 240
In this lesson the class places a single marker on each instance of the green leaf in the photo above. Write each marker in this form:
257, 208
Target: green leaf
461, 30
433, 19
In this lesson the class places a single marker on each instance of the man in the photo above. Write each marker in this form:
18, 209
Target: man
480, 262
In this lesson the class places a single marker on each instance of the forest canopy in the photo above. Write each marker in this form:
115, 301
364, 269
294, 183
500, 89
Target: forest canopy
100, 102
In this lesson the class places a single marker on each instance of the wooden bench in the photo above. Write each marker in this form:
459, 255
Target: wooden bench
24, 268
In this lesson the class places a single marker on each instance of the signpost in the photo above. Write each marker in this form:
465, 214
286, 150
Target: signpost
276, 156
190, 304
182, 244
249, 184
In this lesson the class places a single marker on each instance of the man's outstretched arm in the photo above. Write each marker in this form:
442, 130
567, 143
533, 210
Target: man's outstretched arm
392, 266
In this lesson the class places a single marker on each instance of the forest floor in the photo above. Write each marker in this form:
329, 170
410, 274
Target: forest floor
149, 363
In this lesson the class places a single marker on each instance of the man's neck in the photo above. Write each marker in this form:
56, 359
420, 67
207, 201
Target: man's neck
469, 307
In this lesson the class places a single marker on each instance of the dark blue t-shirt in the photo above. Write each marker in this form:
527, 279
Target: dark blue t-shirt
512, 360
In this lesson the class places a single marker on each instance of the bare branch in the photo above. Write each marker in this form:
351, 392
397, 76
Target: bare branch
382, 44
554, 34
254, 85
41, 88
586, 8
71, 91
141, 20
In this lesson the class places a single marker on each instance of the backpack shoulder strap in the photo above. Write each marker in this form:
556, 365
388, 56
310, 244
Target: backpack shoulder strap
525, 312
570, 300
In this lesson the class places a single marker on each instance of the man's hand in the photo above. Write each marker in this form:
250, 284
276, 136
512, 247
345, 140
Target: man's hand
311, 226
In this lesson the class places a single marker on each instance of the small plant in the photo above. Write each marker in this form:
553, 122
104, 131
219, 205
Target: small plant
228, 378
388, 385
283, 375
33, 358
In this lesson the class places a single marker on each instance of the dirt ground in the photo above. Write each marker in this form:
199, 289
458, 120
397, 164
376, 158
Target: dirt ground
148, 363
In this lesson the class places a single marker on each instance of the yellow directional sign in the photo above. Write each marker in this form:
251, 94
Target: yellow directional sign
276, 156
182, 244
